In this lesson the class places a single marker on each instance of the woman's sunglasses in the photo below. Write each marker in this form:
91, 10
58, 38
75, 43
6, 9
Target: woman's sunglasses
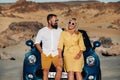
72, 23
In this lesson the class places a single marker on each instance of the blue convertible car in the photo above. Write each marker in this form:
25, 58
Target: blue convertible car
32, 64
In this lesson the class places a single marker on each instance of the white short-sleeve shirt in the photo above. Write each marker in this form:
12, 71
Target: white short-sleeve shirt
50, 39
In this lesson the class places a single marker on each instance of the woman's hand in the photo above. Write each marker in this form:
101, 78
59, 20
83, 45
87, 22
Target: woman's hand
78, 56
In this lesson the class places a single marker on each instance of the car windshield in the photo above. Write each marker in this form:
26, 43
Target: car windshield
86, 39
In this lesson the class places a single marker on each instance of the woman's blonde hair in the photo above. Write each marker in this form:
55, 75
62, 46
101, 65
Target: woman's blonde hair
76, 28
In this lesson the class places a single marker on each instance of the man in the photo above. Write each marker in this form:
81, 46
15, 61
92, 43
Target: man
49, 36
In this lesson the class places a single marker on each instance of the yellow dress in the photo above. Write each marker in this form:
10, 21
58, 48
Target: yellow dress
72, 45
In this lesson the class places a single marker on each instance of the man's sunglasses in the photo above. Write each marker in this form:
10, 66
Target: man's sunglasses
72, 23
56, 20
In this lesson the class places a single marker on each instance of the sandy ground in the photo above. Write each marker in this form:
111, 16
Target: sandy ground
12, 69
110, 67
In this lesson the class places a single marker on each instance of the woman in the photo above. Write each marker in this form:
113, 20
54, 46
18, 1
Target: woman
73, 44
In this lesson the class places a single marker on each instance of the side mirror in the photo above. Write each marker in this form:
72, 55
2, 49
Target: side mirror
29, 43
96, 44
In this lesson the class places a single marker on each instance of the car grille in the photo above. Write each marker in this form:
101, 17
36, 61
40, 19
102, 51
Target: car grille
39, 73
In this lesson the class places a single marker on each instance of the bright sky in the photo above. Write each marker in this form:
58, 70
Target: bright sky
11, 1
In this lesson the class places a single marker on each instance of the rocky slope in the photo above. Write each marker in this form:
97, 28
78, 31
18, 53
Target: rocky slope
19, 31
21, 21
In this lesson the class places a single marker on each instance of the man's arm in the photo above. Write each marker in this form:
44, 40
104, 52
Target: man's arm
38, 41
39, 48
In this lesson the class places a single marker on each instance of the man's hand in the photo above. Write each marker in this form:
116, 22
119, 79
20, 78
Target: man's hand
60, 59
60, 56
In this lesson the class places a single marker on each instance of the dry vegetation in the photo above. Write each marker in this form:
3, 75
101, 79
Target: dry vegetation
21, 21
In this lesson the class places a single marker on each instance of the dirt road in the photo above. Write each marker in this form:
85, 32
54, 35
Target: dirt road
12, 70
110, 67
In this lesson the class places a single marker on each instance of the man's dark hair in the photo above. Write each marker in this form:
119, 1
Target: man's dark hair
50, 16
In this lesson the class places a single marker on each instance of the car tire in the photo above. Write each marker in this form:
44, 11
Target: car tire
99, 75
64, 79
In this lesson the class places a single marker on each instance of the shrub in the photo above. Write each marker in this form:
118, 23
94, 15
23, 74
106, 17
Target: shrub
106, 42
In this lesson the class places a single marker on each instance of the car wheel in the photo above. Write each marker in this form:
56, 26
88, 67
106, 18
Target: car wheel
99, 75
61, 79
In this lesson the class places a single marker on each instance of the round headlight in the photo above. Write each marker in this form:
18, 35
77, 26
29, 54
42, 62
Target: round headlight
32, 59
90, 60
30, 76
91, 77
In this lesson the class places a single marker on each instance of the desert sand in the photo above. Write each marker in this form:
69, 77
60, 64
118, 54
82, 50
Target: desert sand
18, 23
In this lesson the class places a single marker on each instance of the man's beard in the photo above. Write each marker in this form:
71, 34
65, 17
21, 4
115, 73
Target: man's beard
55, 26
